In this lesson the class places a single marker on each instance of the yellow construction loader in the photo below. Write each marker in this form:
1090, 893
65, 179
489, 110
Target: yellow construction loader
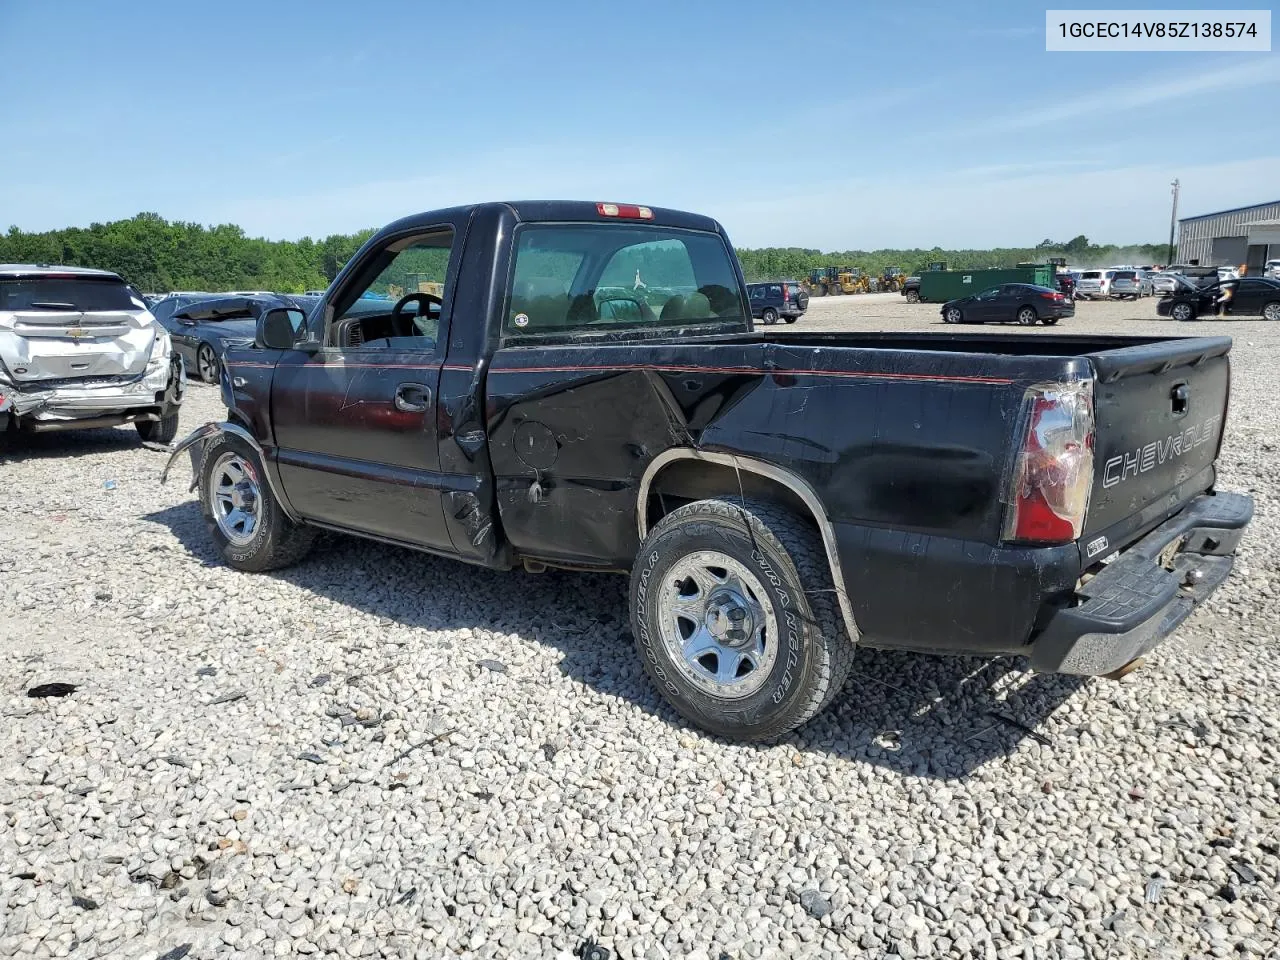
833, 281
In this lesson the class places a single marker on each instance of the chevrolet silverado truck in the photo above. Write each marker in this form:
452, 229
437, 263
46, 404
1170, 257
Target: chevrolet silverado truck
79, 349
777, 499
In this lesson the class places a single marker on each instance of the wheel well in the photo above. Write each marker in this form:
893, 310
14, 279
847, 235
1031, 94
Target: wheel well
685, 481
702, 476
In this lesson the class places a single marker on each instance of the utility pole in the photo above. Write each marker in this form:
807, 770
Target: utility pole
1173, 222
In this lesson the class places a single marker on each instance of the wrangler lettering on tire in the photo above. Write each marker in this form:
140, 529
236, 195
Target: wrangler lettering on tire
735, 620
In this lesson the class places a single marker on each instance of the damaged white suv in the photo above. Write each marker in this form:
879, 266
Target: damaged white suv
79, 348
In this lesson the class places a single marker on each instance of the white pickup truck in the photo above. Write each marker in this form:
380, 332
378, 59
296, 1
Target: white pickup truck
79, 348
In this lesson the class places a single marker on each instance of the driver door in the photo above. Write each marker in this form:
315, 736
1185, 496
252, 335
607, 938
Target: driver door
987, 305
354, 415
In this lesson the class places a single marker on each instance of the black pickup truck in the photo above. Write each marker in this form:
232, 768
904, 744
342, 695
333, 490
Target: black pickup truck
580, 385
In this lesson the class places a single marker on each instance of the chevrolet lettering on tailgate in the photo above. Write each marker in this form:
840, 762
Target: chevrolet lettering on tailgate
1120, 468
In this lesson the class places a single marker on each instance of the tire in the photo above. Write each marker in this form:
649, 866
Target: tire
1182, 311
953, 315
770, 315
208, 366
274, 540
1049, 321
158, 431
776, 572
1271, 311
1027, 316
913, 296
792, 319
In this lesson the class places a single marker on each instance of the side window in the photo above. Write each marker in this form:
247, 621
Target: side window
396, 301
775, 291
757, 293
588, 275
163, 310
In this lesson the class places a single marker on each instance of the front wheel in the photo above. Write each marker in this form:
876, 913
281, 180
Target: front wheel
770, 315
1182, 311
1049, 321
248, 527
1027, 317
735, 618
913, 296
953, 315
792, 319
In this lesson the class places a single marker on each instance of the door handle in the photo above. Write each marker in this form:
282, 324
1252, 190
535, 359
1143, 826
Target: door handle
413, 397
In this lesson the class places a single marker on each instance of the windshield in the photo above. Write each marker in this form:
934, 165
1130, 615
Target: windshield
87, 294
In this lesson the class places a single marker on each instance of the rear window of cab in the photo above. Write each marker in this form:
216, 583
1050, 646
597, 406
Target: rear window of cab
586, 277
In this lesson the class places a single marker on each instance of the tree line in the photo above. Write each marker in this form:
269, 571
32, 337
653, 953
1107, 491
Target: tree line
157, 255
794, 263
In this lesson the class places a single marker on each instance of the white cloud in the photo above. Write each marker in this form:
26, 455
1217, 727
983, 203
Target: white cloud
1148, 92
1127, 204
520, 173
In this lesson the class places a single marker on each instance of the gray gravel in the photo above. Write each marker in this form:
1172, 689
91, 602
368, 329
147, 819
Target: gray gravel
385, 754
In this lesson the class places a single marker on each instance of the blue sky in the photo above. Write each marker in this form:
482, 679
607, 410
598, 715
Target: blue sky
831, 125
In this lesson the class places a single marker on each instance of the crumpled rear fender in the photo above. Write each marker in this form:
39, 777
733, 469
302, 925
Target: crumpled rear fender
198, 440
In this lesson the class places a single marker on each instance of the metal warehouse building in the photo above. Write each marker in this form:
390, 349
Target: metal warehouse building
1249, 235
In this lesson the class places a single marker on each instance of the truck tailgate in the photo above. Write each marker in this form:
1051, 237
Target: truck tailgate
1159, 411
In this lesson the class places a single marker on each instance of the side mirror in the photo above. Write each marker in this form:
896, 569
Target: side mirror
278, 329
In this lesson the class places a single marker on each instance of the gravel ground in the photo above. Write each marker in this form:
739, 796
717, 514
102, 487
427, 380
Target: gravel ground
386, 754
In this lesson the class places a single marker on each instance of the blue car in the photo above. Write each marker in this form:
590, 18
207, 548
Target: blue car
203, 329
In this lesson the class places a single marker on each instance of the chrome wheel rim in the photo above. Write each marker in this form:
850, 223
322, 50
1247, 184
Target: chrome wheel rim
1181, 312
718, 625
953, 315
1026, 317
1272, 311
236, 498
207, 364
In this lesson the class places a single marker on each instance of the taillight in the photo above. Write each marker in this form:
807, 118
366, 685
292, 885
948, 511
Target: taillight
1057, 297
1049, 492
786, 294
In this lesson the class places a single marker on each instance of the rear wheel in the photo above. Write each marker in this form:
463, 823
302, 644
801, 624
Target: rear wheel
1271, 311
953, 315
1027, 317
735, 618
770, 315
207, 365
1182, 311
249, 528
158, 431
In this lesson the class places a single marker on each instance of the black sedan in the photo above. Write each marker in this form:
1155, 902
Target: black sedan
203, 330
1023, 303
1250, 297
